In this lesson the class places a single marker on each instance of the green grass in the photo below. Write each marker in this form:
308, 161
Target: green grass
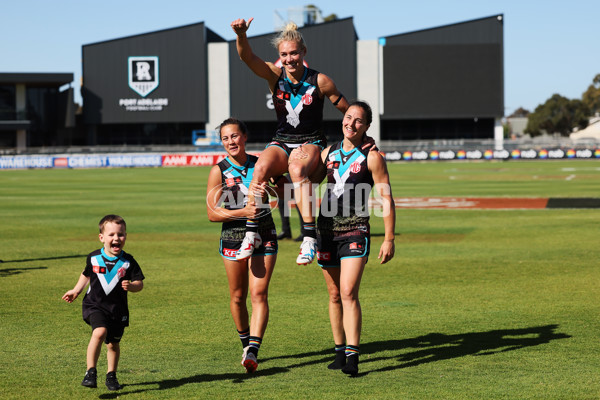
499, 304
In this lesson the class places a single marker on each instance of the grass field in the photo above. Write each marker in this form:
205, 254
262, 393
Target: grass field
477, 304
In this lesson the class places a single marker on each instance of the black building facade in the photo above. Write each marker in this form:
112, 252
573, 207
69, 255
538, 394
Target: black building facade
147, 89
445, 82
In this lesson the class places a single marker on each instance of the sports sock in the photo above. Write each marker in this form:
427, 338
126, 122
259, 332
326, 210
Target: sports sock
351, 366
340, 357
254, 343
309, 229
251, 225
352, 350
245, 337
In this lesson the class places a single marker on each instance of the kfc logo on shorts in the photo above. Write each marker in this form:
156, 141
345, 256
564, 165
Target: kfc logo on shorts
354, 246
355, 167
307, 99
323, 255
121, 272
229, 252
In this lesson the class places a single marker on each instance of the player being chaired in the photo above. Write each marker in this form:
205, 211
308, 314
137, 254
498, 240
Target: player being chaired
298, 96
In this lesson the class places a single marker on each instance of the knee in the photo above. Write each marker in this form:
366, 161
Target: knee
113, 346
99, 334
259, 296
335, 298
261, 171
238, 299
297, 171
348, 295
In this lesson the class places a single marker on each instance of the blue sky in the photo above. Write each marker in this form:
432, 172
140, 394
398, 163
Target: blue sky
549, 46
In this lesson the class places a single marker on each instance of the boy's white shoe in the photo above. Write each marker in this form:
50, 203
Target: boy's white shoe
249, 360
308, 250
251, 241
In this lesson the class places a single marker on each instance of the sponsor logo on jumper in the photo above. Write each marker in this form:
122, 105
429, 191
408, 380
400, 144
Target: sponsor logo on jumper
98, 269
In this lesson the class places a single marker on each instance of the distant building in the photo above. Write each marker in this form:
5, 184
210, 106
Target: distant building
33, 109
445, 82
517, 126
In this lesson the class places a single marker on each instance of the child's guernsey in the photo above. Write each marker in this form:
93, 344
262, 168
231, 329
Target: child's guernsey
105, 293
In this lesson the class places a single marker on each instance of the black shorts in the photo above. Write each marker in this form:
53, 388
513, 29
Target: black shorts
288, 147
228, 249
114, 329
332, 251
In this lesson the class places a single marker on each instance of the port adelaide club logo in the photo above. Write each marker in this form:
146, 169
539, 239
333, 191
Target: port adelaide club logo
143, 74
143, 79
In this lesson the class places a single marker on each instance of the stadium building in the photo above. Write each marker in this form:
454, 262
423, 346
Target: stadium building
157, 88
34, 111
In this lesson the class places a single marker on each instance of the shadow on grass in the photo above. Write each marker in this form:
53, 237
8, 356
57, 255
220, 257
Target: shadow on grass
4, 272
407, 352
175, 383
438, 346
43, 258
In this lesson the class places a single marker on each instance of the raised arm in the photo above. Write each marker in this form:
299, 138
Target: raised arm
381, 178
265, 70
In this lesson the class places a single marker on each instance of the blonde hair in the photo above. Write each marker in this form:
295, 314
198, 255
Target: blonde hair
289, 33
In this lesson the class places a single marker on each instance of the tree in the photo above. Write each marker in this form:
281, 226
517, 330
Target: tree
591, 97
557, 115
520, 113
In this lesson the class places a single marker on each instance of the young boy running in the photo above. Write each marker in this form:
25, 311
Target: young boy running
110, 273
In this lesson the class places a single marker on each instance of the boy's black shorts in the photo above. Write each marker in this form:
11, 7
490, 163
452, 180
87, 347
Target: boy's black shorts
114, 329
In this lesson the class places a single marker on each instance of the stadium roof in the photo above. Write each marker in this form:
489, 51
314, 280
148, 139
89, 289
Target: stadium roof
35, 78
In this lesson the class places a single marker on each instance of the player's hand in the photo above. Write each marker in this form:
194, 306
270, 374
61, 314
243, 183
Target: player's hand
386, 251
369, 143
251, 210
297, 154
70, 296
258, 190
126, 285
240, 26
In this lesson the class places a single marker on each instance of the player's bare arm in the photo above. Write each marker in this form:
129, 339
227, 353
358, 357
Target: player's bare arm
381, 179
329, 90
265, 70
